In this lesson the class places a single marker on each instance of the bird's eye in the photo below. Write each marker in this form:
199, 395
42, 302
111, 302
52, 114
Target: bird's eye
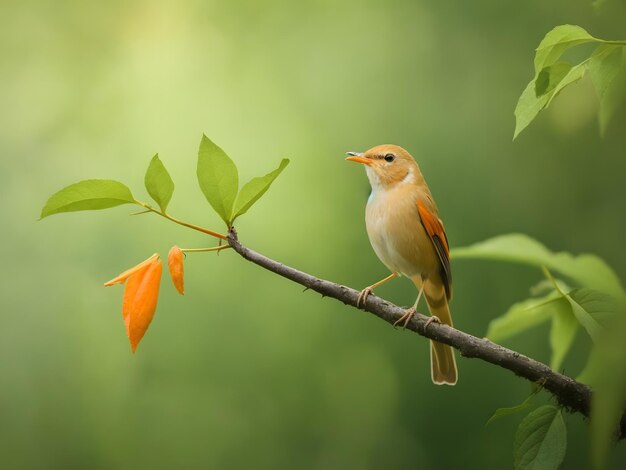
390, 157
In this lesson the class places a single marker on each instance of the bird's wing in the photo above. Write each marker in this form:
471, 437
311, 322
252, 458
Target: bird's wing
436, 232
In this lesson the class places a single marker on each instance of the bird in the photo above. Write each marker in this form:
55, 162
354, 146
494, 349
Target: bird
409, 238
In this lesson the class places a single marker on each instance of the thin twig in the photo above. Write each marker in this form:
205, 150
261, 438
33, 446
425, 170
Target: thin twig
205, 250
149, 208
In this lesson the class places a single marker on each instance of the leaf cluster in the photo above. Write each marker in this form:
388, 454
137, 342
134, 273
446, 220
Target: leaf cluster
553, 75
219, 182
595, 305
217, 177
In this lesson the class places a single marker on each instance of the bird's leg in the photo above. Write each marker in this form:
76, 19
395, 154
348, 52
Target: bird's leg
368, 290
409, 312
432, 319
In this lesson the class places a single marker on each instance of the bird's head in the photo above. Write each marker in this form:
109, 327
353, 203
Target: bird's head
387, 165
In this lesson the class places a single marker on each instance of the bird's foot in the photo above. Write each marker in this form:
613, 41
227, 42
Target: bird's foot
363, 295
406, 318
432, 319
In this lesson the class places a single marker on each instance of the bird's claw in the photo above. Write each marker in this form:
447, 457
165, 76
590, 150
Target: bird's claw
363, 295
432, 319
406, 318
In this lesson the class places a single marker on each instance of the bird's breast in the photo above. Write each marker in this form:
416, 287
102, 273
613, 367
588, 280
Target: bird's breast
396, 232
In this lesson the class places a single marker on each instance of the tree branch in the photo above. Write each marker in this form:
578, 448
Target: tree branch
571, 394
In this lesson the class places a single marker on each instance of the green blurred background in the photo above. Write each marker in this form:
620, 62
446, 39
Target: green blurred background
246, 370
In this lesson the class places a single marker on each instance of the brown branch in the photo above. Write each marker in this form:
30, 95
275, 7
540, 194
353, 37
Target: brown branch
571, 394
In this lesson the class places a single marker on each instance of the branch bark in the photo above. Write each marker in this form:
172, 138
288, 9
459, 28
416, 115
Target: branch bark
573, 395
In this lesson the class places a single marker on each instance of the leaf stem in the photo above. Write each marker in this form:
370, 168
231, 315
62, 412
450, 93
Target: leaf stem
180, 222
198, 250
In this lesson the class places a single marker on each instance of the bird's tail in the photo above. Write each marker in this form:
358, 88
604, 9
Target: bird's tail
442, 362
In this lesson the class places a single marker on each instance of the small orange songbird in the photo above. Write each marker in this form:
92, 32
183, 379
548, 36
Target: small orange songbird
407, 235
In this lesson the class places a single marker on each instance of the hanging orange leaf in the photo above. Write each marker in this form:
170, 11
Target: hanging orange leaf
175, 263
140, 297
126, 274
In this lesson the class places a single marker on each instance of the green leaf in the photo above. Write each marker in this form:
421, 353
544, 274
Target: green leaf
564, 325
254, 189
587, 270
604, 311
523, 316
540, 92
611, 102
159, 183
602, 307
557, 41
604, 67
550, 77
593, 309
575, 73
501, 412
540, 440
88, 195
606, 372
218, 178
547, 285
562, 334
528, 106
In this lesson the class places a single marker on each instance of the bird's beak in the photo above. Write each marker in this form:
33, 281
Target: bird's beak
358, 157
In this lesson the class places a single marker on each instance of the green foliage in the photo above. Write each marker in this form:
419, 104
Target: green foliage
562, 334
534, 311
574, 74
587, 270
159, 183
219, 181
501, 412
523, 316
565, 308
557, 41
254, 189
605, 371
529, 104
88, 195
606, 374
551, 76
217, 175
540, 440
604, 67
218, 178
591, 308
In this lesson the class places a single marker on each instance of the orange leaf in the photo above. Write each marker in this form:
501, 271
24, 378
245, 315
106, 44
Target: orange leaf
129, 272
140, 299
175, 263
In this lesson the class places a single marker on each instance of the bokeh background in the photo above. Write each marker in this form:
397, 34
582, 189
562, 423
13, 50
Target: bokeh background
246, 370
